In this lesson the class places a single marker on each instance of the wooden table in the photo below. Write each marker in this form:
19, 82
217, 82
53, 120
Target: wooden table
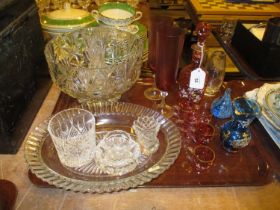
214, 11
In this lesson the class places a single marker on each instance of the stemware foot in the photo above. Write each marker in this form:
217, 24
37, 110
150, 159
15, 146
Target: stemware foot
152, 94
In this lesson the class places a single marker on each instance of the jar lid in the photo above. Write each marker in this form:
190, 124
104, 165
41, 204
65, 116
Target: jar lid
67, 17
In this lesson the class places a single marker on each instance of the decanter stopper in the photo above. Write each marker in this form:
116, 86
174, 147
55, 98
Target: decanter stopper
222, 106
203, 30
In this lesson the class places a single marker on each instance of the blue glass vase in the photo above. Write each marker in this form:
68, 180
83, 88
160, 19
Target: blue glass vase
222, 107
235, 134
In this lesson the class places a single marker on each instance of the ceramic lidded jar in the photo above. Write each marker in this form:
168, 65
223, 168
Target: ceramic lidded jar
66, 20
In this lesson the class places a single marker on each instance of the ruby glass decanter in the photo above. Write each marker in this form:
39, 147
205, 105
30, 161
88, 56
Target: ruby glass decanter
192, 82
192, 78
191, 114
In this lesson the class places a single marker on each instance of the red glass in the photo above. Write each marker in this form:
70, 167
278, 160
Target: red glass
204, 133
170, 41
188, 96
202, 157
169, 46
190, 116
154, 23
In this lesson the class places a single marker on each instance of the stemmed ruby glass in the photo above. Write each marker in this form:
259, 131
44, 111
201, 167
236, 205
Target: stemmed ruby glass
169, 46
155, 22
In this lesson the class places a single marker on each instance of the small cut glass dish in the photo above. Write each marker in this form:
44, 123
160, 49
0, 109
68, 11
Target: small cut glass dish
117, 153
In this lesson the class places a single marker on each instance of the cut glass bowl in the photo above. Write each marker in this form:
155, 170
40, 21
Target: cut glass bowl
95, 64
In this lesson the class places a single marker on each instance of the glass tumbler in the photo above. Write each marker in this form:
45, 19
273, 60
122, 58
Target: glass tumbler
216, 72
73, 134
146, 129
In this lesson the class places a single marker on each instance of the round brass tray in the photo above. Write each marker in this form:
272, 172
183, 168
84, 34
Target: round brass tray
43, 161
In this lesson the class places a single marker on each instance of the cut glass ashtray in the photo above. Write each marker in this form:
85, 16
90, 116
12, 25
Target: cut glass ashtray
117, 153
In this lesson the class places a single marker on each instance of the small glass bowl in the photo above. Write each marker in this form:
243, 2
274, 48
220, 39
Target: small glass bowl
73, 134
117, 153
146, 129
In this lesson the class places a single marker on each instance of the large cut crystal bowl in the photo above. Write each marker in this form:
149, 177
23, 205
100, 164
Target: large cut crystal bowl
95, 64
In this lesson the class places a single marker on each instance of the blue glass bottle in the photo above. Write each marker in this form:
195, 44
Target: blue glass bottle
222, 107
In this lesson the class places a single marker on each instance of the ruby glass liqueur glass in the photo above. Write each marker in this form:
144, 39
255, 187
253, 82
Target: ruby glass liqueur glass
155, 22
201, 157
204, 133
170, 41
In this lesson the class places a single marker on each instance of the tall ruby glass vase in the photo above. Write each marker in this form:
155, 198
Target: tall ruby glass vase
169, 46
155, 22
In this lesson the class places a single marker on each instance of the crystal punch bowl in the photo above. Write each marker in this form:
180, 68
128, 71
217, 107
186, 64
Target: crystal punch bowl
95, 64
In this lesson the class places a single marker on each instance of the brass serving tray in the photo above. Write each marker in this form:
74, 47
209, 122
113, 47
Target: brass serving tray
43, 161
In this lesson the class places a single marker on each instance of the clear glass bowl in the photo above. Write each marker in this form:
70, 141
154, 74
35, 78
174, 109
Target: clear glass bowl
117, 153
95, 64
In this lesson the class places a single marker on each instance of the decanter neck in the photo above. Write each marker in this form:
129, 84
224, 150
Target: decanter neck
198, 54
